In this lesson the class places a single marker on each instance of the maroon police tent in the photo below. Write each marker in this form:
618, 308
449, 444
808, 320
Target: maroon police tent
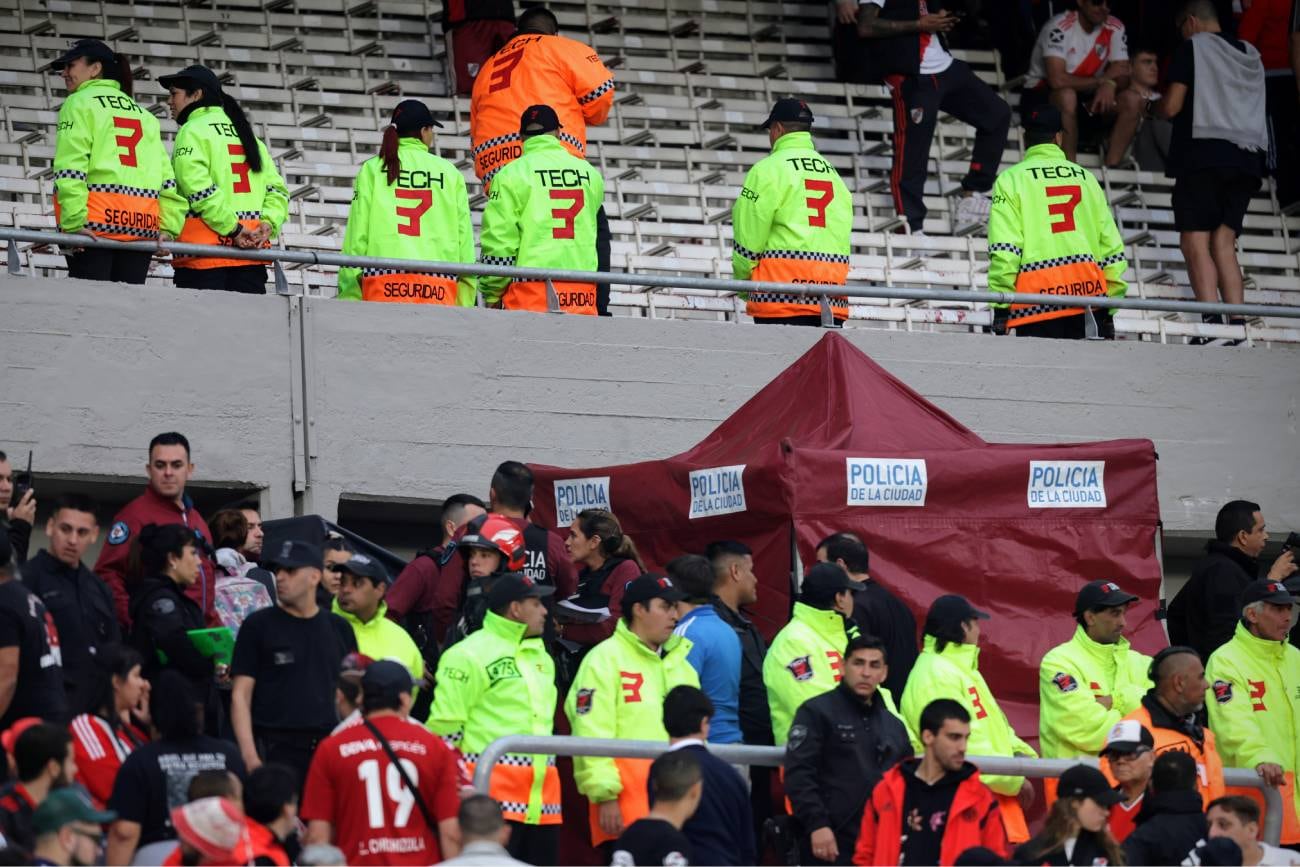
837, 443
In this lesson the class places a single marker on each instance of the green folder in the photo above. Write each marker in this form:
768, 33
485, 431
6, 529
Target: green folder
217, 644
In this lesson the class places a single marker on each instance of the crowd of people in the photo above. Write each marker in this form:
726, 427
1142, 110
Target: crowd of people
204, 694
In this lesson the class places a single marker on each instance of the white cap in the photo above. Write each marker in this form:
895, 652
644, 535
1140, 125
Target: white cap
1127, 735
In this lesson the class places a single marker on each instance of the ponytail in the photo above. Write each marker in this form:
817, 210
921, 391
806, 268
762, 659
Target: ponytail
243, 129
388, 153
124, 77
602, 523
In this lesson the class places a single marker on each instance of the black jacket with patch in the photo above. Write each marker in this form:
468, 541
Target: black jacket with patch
1205, 612
161, 617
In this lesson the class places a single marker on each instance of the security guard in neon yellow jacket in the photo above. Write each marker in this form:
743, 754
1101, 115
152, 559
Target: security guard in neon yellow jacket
1254, 696
408, 203
236, 197
948, 667
541, 213
499, 681
1051, 232
792, 222
619, 693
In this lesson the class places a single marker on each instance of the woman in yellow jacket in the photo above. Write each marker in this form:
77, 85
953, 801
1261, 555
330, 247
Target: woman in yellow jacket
236, 197
408, 203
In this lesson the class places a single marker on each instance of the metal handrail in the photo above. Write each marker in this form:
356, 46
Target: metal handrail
622, 278
741, 754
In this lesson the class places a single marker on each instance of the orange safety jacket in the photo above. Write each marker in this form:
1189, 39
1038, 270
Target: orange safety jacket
536, 69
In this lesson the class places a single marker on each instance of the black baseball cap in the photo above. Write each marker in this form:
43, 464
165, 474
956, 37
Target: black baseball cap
649, 586
385, 678
1128, 736
294, 555
1084, 781
1265, 590
366, 567
826, 579
954, 609
1044, 118
513, 587
91, 49
788, 110
411, 114
538, 119
1101, 594
192, 78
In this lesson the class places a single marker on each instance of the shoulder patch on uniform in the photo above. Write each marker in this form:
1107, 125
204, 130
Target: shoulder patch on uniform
798, 734
1065, 682
455, 674
1222, 691
163, 605
119, 533
583, 702
800, 668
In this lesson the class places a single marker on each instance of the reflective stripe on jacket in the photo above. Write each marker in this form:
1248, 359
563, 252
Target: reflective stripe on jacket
541, 213
497, 682
536, 69
423, 216
213, 174
792, 224
1051, 232
111, 172
1071, 721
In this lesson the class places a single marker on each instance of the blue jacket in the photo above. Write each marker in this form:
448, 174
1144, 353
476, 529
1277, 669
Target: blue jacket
722, 829
715, 656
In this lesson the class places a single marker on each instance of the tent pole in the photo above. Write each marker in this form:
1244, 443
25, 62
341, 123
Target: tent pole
1162, 608
796, 565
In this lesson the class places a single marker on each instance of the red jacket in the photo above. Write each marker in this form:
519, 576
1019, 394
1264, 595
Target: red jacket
416, 587
151, 508
973, 819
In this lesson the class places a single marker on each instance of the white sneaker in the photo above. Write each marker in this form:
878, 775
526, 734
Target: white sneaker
972, 210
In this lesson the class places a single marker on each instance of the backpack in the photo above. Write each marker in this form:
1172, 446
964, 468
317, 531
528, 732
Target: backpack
237, 595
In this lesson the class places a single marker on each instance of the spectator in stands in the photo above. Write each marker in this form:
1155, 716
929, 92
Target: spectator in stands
242, 587
67, 830
1045, 235
361, 603
540, 215
1252, 677
164, 501
930, 809
474, 31
135, 192
1172, 709
735, 587
676, 783
211, 831
116, 724
619, 692
215, 784
539, 67
948, 667
807, 655
19, 515
1238, 819
1269, 25
155, 778
715, 648
1204, 613
335, 552
243, 205
410, 599
252, 547
408, 203
1092, 681
1127, 759
483, 835
908, 52
1171, 822
347, 689
876, 611
841, 744
81, 604
31, 679
721, 830
606, 561
44, 761
1215, 98
1076, 831
271, 807
285, 665
1080, 65
1147, 133
792, 223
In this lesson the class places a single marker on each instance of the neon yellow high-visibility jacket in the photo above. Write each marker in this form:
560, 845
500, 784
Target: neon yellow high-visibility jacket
792, 224
213, 174
1071, 721
498, 682
541, 213
955, 674
1051, 232
424, 215
381, 638
111, 172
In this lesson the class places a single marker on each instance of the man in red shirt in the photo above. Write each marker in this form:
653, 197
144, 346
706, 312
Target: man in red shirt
361, 800
163, 502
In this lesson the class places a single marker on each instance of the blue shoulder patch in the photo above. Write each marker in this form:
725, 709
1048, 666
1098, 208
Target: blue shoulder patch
119, 533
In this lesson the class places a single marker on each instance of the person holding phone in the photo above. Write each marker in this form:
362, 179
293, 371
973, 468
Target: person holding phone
18, 501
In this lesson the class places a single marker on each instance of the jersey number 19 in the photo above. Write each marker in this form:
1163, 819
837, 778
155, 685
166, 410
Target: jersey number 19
396, 788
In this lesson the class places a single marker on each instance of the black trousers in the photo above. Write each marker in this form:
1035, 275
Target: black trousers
292, 749
604, 238
1284, 121
538, 845
1062, 328
814, 320
246, 279
119, 266
918, 99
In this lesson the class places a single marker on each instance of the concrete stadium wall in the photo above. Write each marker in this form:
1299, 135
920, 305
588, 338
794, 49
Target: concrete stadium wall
397, 403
